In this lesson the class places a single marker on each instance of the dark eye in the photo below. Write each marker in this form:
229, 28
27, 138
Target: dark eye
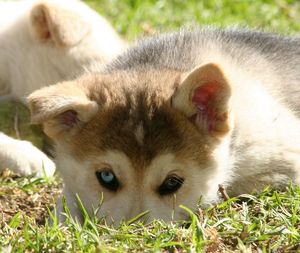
170, 185
108, 179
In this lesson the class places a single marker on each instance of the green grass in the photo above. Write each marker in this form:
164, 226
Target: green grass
130, 16
268, 221
8, 112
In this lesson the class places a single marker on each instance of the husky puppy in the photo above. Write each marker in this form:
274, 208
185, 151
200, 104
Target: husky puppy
168, 121
41, 43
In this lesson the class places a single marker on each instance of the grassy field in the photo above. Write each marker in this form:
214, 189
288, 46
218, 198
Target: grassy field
264, 222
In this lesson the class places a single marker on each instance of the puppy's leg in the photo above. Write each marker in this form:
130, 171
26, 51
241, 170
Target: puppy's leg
24, 158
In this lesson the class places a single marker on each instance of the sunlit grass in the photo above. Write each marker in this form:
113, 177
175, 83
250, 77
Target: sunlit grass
268, 221
129, 17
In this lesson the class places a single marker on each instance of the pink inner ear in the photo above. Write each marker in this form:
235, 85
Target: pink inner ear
69, 118
203, 98
204, 94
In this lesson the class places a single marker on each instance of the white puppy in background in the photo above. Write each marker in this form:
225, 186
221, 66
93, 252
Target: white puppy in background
41, 43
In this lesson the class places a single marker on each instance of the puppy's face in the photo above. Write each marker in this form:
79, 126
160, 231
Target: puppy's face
139, 141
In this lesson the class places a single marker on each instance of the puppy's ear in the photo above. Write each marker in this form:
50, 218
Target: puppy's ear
62, 109
204, 96
55, 26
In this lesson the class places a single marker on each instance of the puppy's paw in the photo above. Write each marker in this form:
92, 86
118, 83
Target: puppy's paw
23, 158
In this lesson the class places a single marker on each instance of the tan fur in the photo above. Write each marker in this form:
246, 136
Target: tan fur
70, 98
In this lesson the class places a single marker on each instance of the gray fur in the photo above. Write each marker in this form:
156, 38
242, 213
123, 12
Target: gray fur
184, 50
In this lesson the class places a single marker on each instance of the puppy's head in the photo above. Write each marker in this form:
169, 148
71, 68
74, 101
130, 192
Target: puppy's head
144, 140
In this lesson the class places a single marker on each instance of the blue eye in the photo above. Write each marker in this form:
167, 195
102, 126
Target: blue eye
107, 176
108, 179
